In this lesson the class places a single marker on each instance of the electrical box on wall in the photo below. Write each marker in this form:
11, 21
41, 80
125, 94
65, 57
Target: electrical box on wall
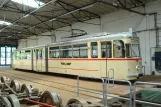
158, 59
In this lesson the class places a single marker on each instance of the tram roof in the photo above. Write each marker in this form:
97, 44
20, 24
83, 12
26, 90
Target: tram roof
87, 38
95, 37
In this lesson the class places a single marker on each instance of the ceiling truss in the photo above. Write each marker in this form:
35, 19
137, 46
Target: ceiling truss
44, 22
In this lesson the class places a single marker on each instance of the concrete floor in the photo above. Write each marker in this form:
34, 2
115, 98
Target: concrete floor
66, 87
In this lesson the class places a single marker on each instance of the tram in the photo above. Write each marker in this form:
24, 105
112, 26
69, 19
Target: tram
98, 55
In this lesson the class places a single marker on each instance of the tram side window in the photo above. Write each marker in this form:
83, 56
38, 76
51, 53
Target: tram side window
94, 50
106, 49
18, 55
23, 55
36, 53
15, 54
80, 51
65, 52
118, 48
54, 52
39, 53
27, 54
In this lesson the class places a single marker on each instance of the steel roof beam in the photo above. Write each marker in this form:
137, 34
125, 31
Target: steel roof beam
121, 4
27, 15
134, 3
12, 33
123, 8
33, 14
49, 28
143, 4
68, 11
22, 32
3, 3
52, 18
78, 8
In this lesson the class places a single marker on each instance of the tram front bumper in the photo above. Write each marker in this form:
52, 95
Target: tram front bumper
137, 75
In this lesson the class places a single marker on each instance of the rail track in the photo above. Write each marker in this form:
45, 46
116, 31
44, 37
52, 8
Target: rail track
39, 79
65, 84
36, 80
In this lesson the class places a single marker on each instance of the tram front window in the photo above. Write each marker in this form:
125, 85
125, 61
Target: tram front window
135, 48
119, 50
128, 50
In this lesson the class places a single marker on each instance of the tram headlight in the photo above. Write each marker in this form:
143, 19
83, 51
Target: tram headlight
137, 67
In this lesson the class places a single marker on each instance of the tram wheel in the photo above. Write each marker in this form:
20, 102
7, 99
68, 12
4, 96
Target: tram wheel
77, 102
15, 85
14, 100
51, 98
26, 89
5, 79
116, 104
4, 102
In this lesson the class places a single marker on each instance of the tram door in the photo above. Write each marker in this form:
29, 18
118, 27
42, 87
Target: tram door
106, 53
39, 60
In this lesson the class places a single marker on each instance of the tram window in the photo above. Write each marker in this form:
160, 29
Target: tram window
119, 51
54, 52
27, 54
22, 55
15, 55
128, 48
135, 48
94, 50
76, 51
18, 55
65, 52
106, 49
39, 53
36, 53
80, 51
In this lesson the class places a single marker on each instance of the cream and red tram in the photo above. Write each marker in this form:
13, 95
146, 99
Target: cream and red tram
98, 56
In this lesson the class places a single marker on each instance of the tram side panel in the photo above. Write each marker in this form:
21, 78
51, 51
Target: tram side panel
16, 62
134, 68
82, 67
22, 60
27, 60
74, 61
116, 66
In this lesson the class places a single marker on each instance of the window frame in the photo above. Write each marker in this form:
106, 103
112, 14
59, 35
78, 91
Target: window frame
81, 48
49, 50
122, 47
92, 49
111, 48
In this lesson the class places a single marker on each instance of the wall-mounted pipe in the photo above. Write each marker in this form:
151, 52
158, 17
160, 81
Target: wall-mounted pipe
156, 30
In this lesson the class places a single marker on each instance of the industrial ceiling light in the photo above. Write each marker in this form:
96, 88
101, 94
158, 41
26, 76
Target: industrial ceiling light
5, 23
26, 15
31, 3
115, 4
8, 36
53, 19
